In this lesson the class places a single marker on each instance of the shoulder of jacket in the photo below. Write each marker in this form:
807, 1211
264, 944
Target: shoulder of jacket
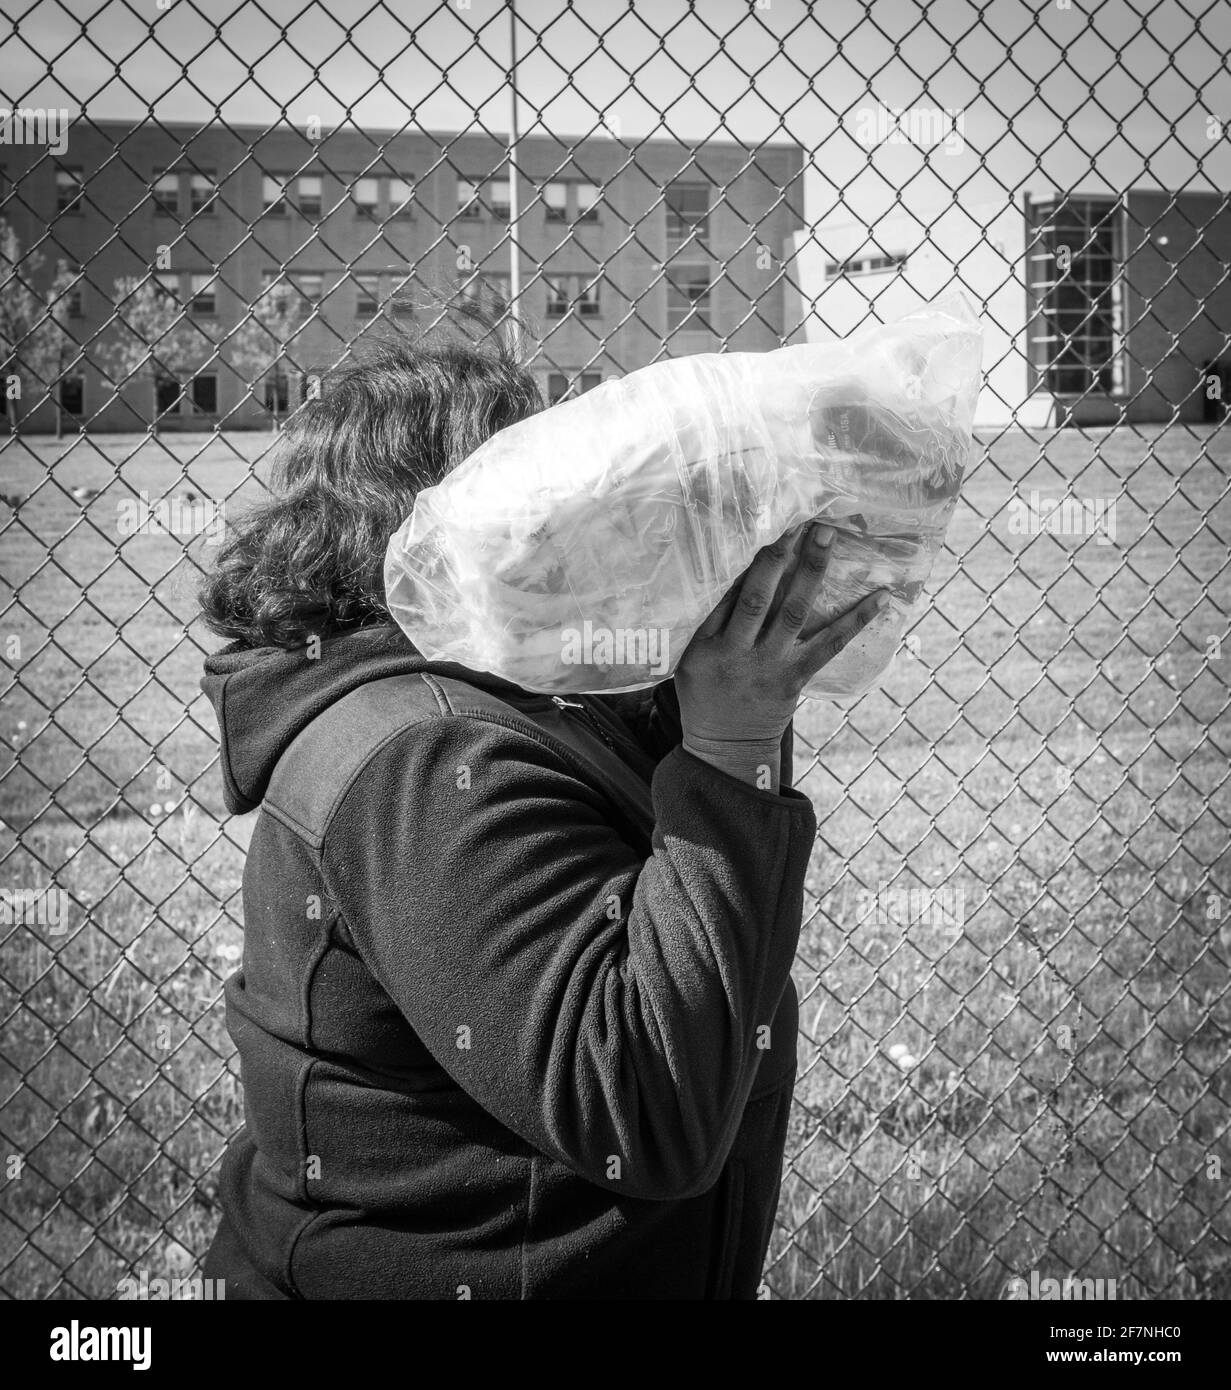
322, 762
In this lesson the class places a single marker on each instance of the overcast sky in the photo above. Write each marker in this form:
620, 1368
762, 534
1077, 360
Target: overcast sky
745, 69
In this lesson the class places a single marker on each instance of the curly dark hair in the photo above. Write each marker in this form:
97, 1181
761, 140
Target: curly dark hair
396, 419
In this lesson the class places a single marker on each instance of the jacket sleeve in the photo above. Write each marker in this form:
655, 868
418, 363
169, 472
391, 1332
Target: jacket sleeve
610, 1009
653, 718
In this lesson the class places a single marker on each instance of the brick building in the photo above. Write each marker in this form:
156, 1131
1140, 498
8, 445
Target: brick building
625, 255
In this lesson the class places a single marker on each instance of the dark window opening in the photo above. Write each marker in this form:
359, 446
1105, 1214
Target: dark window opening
167, 395
72, 395
68, 190
204, 394
277, 393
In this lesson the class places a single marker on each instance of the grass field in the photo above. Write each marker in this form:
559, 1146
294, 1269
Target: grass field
1053, 747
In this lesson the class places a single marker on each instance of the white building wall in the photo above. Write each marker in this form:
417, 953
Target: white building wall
978, 247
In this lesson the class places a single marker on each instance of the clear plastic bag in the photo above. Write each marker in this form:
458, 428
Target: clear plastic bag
580, 549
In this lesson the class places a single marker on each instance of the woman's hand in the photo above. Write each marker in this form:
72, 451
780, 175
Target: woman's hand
740, 679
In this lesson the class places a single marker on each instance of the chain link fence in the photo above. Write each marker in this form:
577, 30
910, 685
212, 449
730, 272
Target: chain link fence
1014, 966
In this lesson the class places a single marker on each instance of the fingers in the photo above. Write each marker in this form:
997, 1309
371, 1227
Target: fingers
821, 649
756, 593
800, 587
721, 612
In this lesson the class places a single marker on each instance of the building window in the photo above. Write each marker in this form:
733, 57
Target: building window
401, 197
499, 199
494, 282
201, 191
688, 299
365, 195
367, 300
555, 201
307, 285
1076, 335
72, 395
277, 393
560, 387
468, 199
587, 202
310, 284
68, 189
309, 194
203, 300
203, 396
166, 285
72, 295
166, 191
587, 299
866, 265
566, 292
688, 211
167, 394
273, 195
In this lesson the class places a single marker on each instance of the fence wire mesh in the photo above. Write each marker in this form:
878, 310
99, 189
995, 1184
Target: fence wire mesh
1013, 971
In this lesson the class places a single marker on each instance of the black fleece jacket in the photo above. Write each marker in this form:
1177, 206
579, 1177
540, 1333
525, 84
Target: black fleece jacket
514, 1016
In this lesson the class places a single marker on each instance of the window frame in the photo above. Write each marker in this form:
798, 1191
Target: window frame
500, 210
406, 208
303, 205
206, 209
74, 297
280, 206
359, 277
694, 308
163, 379
282, 401
194, 307
590, 215
73, 205
551, 281
551, 213
161, 209
479, 279
174, 292
587, 299
674, 238
194, 409
79, 378
370, 212
1062, 337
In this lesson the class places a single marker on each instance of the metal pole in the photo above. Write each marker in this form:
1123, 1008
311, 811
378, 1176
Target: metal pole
514, 199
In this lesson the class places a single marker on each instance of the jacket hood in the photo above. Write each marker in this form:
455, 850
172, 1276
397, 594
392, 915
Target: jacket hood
263, 696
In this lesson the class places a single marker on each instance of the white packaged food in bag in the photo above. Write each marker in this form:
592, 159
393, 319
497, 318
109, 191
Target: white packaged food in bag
580, 549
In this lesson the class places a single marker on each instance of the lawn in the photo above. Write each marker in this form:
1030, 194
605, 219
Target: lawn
1050, 748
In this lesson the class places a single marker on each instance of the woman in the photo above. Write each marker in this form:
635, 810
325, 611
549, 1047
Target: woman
515, 1016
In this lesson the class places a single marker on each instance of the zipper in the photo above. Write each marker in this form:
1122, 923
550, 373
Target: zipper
561, 703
